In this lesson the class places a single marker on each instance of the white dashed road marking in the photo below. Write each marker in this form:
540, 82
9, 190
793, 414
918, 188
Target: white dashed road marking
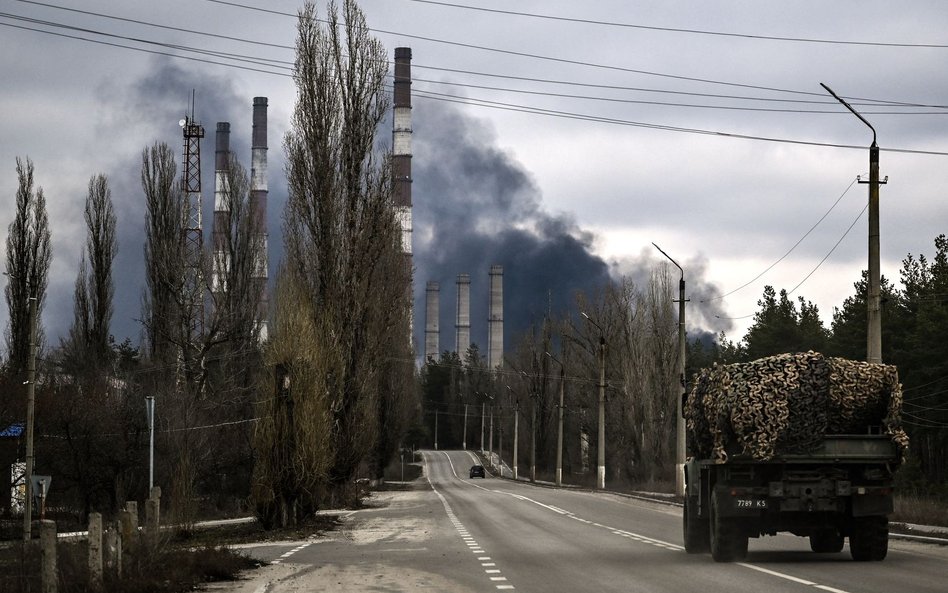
286, 555
489, 567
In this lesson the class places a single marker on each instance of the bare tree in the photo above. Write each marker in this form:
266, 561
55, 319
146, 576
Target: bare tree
237, 297
292, 440
28, 258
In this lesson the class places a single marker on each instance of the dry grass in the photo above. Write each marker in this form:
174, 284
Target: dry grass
921, 510
166, 567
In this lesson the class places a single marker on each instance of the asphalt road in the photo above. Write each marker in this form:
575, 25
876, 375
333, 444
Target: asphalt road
461, 535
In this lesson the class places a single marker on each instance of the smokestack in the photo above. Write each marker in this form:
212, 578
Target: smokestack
221, 206
401, 156
258, 206
432, 306
463, 324
495, 319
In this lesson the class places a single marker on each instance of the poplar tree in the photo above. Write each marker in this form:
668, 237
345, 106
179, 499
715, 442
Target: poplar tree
342, 248
28, 258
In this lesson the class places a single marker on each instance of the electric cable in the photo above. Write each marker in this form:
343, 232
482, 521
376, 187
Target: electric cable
789, 251
683, 30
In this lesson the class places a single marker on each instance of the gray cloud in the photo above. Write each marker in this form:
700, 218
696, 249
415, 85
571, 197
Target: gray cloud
475, 205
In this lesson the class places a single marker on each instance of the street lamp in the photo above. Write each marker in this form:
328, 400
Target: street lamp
464, 437
874, 298
559, 432
533, 432
516, 436
150, 415
490, 440
680, 420
483, 408
30, 405
601, 470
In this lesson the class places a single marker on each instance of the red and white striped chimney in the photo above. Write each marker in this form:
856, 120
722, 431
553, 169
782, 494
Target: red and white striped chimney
401, 155
258, 206
221, 224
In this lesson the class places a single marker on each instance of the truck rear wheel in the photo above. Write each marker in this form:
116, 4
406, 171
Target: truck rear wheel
869, 538
727, 542
829, 541
697, 534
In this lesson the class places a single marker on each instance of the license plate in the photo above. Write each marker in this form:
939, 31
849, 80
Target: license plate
750, 503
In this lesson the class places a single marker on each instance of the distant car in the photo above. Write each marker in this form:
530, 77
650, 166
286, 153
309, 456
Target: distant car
477, 471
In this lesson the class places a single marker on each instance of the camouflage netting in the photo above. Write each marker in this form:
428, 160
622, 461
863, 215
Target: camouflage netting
785, 404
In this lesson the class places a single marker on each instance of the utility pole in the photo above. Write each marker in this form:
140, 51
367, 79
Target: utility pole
150, 412
483, 412
874, 298
559, 432
490, 440
30, 403
516, 437
680, 419
533, 431
464, 438
601, 445
500, 438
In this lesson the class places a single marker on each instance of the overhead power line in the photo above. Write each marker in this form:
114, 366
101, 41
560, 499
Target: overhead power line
830, 252
555, 59
789, 251
424, 94
819, 96
873, 102
816, 267
667, 103
683, 30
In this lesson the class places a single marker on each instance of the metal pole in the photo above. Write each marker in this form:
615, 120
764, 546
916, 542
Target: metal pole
680, 440
150, 411
680, 419
490, 440
601, 471
601, 445
533, 440
436, 430
483, 408
516, 437
559, 432
500, 439
30, 402
874, 298
464, 438
874, 331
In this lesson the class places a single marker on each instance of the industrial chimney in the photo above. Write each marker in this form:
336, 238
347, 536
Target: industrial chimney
221, 207
432, 333
463, 324
495, 319
401, 156
258, 207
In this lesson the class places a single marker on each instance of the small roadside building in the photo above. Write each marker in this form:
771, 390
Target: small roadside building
12, 469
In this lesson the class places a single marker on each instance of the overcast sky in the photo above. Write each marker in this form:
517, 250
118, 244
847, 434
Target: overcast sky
581, 190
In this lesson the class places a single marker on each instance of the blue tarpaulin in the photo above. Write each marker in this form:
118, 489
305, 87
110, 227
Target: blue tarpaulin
14, 430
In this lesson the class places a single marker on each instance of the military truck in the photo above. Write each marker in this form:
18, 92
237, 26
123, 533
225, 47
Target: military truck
796, 443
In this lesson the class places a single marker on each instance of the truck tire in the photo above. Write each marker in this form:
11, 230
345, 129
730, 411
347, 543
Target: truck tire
829, 541
869, 538
728, 544
697, 534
